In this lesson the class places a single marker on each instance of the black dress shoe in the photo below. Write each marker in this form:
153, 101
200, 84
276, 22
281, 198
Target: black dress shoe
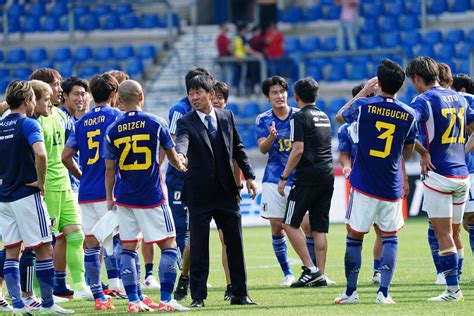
241, 300
197, 303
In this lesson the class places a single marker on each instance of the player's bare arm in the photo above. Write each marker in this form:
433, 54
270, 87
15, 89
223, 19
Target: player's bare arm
265, 144
41, 162
369, 88
175, 159
109, 182
68, 161
425, 161
469, 145
346, 163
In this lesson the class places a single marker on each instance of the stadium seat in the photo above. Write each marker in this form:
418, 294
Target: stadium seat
30, 24
104, 53
372, 9
313, 13
123, 9
37, 10
337, 72
461, 6
360, 59
16, 56
134, 67
437, 6
413, 7
4, 72
65, 23
62, 54
176, 20
149, 21
4, 84
331, 12
358, 72
293, 15
409, 22
412, 38
43, 64
147, 51
83, 53
292, 45
470, 36
445, 52
318, 62
394, 8
336, 104
340, 60
38, 54
310, 44
81, 11
89, 22
248, 138
233, 107
59, 9
369, 25
389, 39
88, 72
123, 52
250, 110
329, 44
65, 68
321, 104
463, 66
454, 36
388, 23
433, 37
15, 11
129, 21
462, 51
50, 24
315, 72
110, 67
111, 22
21, 73
101, 9
368, 41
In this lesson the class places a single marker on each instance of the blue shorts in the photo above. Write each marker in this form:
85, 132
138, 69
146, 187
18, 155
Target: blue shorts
179, 210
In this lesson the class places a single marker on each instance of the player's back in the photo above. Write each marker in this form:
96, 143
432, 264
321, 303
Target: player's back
383, 126
18, 162
88, 138
442, 115
134, 139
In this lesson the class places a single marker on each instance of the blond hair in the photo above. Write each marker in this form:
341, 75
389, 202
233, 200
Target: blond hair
40, 87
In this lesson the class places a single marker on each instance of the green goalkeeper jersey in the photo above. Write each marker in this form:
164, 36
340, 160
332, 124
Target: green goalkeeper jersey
54, 131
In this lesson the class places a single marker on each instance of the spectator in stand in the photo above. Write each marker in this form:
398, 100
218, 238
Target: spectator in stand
274, 42
348, 27
257, 47
267, 11
224, 48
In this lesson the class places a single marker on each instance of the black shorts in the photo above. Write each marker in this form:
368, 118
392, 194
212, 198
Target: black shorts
316, 200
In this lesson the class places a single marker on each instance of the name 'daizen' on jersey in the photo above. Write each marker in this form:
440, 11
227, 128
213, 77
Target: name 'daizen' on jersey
321, 121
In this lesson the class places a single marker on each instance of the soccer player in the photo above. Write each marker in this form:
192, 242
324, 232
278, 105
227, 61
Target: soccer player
310, 138
273, 137
87, 139
132, 143
24, 218
383, 129
59, 197
347, 151
443, 114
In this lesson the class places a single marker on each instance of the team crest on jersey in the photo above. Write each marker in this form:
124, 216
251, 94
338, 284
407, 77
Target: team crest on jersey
97, 109
131, 114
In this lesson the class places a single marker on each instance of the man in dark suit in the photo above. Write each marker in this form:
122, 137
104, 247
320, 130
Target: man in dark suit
207, 141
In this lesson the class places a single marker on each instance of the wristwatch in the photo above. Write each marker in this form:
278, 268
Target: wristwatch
240, 187
283, 178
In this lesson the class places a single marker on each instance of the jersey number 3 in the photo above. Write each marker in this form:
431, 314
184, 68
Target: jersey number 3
131, 144
387, 135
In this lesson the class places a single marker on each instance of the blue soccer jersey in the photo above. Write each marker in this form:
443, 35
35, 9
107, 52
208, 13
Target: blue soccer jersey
469, 156
174, 178
87, 139
281, 148
134, 140
383, 127
443, 114
346, 144
17, 136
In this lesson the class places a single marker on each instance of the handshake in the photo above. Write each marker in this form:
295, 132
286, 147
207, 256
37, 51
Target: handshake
182, 163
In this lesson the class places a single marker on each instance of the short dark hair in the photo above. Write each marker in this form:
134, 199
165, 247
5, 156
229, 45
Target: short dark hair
445, 74
463, 81
17, 92
200, 81
196, 71
102, 86
357, 89
425, 67
307, 89
47, 75
273, 81
390, 76
74, 81
222, 88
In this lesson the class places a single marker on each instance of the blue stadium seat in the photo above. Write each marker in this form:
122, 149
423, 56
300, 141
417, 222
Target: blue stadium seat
129, 21
463, 50
446, 52
134, 67
16, 56
336, 104
394, 8
409, 22
13, 25
360, 59
233, 107
310, 44
176, 20
83, 53
50, 24
370, 24
313, 13
248, 138
4, 84
21, 73
321, 104
413, 7
101, 9
59, 9
104, 53
358, 72
110, 67
372, 9
463, 66
412, 38
149, 21
123, 52
329, 44
111, 22
15, 11
437, 6
292, 45
318, 62
37, 55
470, 36
65, 23
293, 15
81, 11
388, 23
147, 51
44, 64
389, 39
331, 12
30, 24
4, 73
88, 72
461, 6
340, 60
37, 10
327, 2
337, 72
89, 22
250, 110
62, 54
454, 36
123, 9
368, 41
65, 68
1, 55
315, 72
433, 37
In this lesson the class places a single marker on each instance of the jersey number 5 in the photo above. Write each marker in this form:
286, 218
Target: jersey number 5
131, 144
387, 135
450, 113
93, 145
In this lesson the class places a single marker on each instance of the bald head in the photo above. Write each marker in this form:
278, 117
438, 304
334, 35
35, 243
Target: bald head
130, 93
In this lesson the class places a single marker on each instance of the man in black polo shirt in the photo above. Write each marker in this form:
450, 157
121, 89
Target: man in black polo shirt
313, 181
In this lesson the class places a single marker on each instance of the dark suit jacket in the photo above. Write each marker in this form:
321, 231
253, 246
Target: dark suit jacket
192, 140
